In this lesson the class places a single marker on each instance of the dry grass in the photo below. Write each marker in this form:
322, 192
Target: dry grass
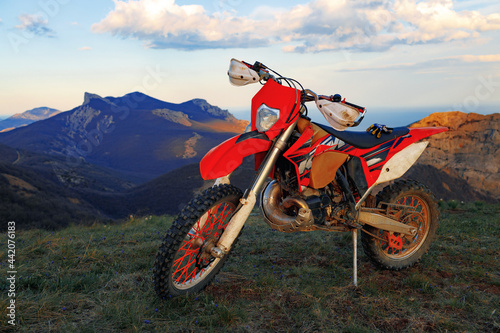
88, 279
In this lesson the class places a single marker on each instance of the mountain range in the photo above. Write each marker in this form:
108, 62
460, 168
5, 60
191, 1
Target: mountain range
26, 118
135, 134
88, 163
116, 156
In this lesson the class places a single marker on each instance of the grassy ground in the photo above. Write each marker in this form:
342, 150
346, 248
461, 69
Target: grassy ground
89, 279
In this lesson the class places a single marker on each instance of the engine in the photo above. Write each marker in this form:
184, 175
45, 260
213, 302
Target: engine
290, 213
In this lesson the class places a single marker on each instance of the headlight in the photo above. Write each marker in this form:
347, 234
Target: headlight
266, 117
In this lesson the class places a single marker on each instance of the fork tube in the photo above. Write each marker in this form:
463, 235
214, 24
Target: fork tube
249, 198
270, 160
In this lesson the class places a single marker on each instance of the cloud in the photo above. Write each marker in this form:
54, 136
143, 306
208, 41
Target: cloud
368, 25
35, 24
432, 63
437, 21
85, 48
317, 26
164, 24
480, 58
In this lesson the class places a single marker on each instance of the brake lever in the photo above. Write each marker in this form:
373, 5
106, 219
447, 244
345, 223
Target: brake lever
360, 119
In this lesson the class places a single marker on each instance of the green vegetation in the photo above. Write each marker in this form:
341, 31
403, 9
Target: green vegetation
98, 278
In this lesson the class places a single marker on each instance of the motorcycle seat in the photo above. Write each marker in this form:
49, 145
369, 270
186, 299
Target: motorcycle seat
364, 140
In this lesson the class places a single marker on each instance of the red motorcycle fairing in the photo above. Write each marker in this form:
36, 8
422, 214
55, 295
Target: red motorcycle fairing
226, 157
276, 96
302, 153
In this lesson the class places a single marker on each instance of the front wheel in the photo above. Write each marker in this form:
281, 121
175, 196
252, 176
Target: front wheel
397, 251
184, 263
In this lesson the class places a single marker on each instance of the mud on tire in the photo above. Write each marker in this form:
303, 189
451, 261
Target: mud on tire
183, 263
400, 251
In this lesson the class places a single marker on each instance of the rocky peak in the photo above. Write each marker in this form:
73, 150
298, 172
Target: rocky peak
88, 97
454, 119
469, 150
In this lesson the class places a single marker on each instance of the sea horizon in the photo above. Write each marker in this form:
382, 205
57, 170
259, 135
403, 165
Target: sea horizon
390, 116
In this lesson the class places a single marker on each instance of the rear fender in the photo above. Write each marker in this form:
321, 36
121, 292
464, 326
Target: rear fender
418, 133
403, 159
226, 157
398, 164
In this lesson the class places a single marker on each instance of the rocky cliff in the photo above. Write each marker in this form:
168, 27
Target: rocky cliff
464, 162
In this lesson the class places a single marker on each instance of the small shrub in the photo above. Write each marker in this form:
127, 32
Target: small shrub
452, 204
479, 204
442, 204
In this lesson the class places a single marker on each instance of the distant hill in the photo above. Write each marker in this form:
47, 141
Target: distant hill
463, 163
42, 191
135, 134
169, 193
26, 118
37, 192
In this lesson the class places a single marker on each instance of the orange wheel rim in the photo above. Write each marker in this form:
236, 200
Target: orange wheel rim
398, 246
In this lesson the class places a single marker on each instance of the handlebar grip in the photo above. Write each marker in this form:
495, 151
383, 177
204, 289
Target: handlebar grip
257, 66
331, 98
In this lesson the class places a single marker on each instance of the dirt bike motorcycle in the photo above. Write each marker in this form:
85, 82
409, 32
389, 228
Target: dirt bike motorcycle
321, 179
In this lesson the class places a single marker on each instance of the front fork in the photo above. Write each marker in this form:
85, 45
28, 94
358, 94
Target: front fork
247, 202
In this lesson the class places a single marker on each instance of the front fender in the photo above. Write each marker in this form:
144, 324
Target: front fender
226, 157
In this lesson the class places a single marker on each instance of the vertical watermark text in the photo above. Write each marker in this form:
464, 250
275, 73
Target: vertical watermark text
11, 273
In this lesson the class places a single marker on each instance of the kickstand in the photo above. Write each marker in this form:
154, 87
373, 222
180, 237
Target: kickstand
355, 256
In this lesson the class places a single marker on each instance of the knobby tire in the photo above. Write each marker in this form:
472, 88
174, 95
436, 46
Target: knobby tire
399, 251
183, 262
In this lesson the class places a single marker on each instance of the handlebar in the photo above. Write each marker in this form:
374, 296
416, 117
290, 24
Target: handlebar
259, 68
308, 98
307, 94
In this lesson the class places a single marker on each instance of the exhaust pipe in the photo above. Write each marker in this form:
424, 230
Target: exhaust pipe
271, 209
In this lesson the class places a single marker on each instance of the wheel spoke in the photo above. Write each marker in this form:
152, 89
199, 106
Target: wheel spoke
412, 204
188, 264
185, 271
222, 219
186, 249
210, 214
190, 275
217, 218
418, 220
177, 265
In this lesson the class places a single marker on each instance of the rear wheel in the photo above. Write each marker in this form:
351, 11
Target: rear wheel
396, 251
184, 263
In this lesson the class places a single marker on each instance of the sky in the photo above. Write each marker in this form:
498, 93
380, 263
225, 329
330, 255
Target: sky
389, 56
